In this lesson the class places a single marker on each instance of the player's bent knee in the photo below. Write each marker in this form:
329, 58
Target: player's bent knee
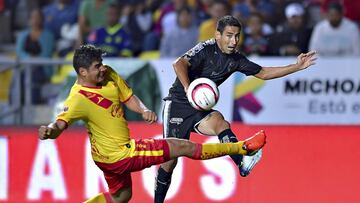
217, 115
169, 165
122, 196
214, 124
122, 199
180, 147
220, 120
186, 148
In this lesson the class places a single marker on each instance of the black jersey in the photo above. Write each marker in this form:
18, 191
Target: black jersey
207, 60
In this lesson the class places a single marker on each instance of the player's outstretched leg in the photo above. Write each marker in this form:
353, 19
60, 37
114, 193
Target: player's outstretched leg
215, 124
227, 136
245, 163
192, 150
205, 151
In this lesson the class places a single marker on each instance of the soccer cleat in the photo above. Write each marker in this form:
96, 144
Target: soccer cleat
255, 143
249, 162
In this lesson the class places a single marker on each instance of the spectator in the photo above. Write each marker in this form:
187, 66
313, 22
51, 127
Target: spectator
266, 28
138, 22
336, 35
291, 38
315, 14
61, 14
218, 9
244, 8
256, 42
201, 8
165, 23
112, 38
36, 42
167, 19
92, 14
351, 8
186, 30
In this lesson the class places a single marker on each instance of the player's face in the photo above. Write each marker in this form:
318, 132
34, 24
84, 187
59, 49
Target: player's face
229, 39
95, 73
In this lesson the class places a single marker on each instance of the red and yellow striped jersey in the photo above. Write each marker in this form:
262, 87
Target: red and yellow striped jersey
102, 112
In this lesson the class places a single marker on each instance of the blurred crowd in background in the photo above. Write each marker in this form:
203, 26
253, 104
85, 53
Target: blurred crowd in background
128, 28
168, 28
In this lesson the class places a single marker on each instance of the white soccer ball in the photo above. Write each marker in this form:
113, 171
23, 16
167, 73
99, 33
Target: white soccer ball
203, 94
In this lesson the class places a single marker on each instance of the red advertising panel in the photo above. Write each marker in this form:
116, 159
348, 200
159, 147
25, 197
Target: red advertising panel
318, 164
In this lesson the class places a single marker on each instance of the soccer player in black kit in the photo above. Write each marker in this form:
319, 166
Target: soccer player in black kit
215, 59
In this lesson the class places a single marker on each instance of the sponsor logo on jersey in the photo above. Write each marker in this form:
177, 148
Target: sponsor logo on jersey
96, 99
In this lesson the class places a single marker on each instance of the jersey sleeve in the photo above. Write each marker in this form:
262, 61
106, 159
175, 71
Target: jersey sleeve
247, 67
125, 92
72, 110
195, 55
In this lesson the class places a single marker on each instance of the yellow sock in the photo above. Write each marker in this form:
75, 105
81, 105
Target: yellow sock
212, 150
100, 198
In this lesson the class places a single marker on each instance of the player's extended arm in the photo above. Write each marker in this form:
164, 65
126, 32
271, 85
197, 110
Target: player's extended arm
136, 105
52, 131
181, 66
303, 62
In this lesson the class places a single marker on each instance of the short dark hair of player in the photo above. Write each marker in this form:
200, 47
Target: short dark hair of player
227, 21
86, 55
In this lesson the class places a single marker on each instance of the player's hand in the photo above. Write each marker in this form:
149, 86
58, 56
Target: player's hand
149, 116
306, 60
44, 132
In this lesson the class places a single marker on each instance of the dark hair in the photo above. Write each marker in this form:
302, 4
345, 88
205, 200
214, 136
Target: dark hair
184, 8
225, 3
335, 6
114, 5
86, 55
227, 21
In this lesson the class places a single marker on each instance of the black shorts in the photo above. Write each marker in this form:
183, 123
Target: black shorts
179, 119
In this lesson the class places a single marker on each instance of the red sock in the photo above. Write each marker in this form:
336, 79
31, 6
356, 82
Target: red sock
198, 150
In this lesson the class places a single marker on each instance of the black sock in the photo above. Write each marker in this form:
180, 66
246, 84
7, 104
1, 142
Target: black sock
228, 136
162, 184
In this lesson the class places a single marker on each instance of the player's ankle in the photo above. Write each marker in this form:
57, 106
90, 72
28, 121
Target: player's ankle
242, 148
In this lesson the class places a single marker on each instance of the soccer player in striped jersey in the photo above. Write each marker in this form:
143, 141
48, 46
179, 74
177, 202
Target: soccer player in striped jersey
96, 98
